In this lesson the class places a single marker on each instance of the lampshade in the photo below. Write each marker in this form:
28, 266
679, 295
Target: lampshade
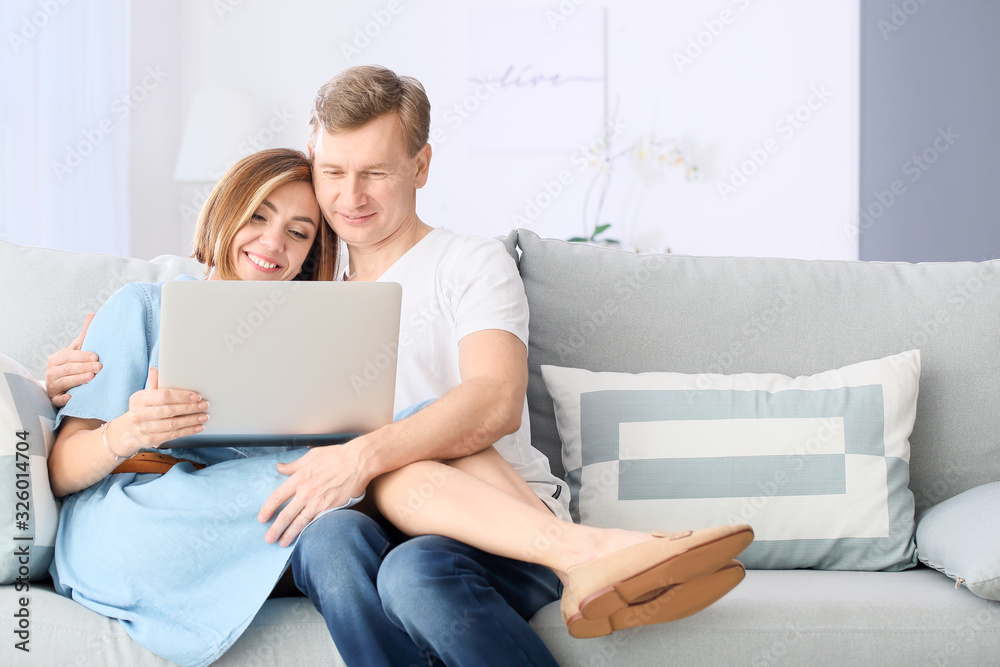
215, 136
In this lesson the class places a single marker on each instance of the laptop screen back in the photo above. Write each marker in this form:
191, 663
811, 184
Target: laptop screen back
277, 360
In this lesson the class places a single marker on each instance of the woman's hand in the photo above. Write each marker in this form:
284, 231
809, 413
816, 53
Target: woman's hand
155, 416
80, 456
70, 368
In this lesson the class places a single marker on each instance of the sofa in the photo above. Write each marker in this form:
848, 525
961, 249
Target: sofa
614, 315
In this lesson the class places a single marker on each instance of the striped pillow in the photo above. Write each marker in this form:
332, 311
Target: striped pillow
818, 465
29, 511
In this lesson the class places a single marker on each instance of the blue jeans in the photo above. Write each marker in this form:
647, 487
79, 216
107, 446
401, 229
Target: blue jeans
389, 600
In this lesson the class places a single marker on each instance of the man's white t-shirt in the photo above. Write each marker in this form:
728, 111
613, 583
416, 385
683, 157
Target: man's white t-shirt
455, 285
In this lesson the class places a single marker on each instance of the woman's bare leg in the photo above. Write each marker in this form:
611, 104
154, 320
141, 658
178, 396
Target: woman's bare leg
477, 502
489, 466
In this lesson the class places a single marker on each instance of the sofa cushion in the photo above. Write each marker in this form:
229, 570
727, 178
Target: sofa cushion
29, 514
604, 309
56, 288
961, 538
805, 617
286, 631
817, 465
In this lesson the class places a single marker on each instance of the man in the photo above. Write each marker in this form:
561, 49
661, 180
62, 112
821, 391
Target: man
388, 600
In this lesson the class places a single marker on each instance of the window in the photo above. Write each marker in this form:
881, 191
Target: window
64, 124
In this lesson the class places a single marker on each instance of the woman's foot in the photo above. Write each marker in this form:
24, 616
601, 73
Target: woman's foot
669, 604
598, 588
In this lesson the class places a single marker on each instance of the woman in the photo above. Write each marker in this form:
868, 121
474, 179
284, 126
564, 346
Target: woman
258, 224
179, 557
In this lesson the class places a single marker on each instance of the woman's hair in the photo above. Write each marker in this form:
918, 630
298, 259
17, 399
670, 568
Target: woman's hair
361, 94
239, 194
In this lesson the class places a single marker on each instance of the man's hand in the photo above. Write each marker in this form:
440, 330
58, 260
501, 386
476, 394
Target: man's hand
323, 478
70, 368
474, 415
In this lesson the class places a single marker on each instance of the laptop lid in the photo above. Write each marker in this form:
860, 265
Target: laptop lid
282, 362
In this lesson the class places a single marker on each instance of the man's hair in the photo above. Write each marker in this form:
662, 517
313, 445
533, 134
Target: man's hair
239, 194
361, 94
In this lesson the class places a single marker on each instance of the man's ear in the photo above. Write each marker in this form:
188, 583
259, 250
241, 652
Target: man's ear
311, 142
423, 159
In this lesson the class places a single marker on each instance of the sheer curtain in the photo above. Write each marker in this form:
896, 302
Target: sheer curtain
64, 124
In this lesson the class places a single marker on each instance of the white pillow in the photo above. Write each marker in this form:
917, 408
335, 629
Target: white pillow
818, 465
960, 537
29, 513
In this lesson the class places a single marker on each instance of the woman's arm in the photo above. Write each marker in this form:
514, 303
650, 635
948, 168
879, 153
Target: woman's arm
79, 457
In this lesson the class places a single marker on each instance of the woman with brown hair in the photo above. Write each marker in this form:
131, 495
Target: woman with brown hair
179, 557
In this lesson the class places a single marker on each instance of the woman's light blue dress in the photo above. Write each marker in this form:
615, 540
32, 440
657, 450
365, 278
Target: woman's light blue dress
179, 558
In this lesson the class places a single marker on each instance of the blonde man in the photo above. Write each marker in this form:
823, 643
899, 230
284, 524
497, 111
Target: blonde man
389, 600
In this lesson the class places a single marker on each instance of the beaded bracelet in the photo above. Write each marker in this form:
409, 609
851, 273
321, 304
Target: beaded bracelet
104, 436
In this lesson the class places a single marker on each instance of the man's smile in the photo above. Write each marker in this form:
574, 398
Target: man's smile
356, 219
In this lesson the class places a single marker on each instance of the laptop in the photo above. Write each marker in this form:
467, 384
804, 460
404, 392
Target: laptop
282, 363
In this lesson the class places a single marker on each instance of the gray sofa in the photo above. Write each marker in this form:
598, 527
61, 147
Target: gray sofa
607, 310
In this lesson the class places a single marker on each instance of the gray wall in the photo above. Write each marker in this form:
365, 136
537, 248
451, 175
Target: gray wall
930, 130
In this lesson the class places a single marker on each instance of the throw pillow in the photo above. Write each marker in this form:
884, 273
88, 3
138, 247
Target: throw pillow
28, 513
961, 538
818, 465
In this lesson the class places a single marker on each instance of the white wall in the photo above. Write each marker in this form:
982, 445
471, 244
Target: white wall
730, 102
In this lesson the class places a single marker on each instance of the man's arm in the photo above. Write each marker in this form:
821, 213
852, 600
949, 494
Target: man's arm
486, 406
70, 368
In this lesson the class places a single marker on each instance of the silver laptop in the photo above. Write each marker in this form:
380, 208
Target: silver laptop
295, 363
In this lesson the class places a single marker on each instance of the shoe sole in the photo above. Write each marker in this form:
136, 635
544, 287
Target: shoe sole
674, 603
677, 569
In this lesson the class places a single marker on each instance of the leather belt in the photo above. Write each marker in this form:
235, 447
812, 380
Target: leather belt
152, 462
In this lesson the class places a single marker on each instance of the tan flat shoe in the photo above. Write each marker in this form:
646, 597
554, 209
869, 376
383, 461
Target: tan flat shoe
670, 604
601, 587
